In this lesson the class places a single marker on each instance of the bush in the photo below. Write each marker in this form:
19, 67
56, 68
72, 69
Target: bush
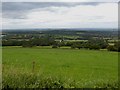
115, 47
73, 46
95, 47
111, 48
54, 46
27, 44
76, 45
97, 44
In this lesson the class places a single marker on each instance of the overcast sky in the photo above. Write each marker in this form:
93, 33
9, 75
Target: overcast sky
17, 15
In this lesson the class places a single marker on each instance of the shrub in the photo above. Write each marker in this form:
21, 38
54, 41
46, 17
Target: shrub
111, 48
54, 46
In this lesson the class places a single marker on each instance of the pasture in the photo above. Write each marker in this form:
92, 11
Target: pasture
24, 67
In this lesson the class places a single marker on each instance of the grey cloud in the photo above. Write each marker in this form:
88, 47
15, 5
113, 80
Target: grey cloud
15, 6
18, 10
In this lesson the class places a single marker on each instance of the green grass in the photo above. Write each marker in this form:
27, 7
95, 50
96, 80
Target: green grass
74, 68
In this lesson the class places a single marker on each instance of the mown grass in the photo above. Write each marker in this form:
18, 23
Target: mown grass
59, 68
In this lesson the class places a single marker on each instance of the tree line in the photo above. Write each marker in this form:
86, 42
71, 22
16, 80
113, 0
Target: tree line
95, 44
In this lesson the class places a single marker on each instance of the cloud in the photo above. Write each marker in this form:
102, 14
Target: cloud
15, 6
60, 0
12, 9
60, 15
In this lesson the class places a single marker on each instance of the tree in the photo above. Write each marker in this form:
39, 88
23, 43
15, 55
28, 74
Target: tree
115, 47
27, 44
76, 45
97, 44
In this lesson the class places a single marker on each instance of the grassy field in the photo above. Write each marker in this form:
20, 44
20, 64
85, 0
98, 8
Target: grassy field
47, 67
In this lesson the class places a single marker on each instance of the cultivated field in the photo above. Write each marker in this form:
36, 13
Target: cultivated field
40, 67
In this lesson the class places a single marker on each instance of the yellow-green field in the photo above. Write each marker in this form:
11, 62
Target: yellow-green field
60, 68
